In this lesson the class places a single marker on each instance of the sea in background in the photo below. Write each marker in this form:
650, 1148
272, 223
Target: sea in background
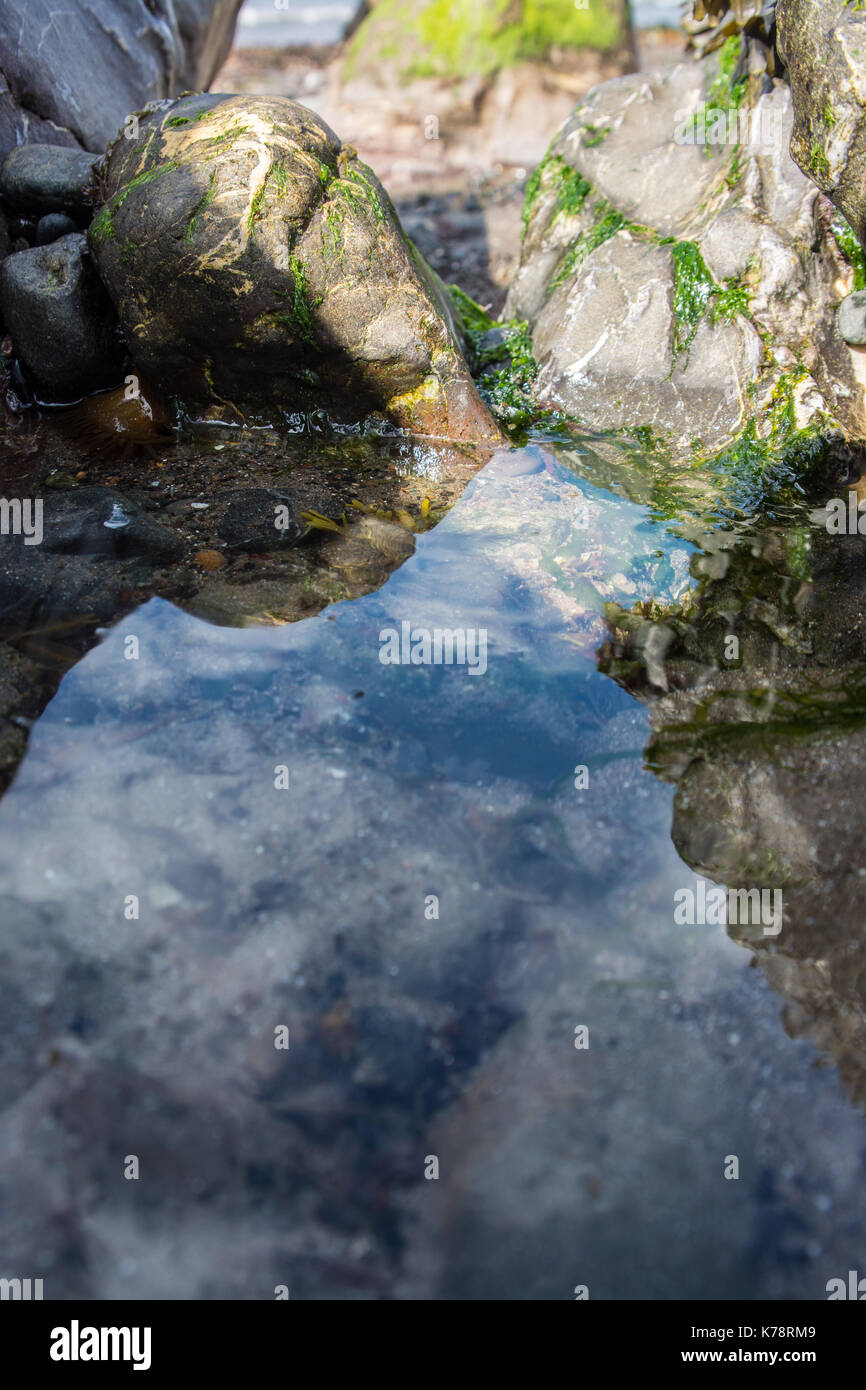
262, 24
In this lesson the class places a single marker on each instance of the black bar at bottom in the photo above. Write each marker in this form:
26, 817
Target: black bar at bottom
158, 1340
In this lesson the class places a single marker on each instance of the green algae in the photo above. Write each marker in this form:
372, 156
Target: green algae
818, 162
203, 203
572, 189
773, 456
103, 226
608, 223
698, 295
506, 369
463, 38
300, 300
850, 249
724, 93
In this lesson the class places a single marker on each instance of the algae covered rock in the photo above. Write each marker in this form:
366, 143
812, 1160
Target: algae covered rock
461, 38
678, 270
258, 267
823, 43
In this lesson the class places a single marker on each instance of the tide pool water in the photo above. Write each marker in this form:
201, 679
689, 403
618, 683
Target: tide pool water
376, 967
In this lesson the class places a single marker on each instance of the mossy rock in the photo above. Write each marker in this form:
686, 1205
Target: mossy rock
258, 266
678, 276
453, 39
823, 43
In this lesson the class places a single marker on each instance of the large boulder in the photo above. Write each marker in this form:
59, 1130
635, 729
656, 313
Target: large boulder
258, 267
823, 43
678, 270
69, 75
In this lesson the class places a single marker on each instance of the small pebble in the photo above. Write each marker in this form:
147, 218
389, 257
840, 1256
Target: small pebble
53, 226
210, 559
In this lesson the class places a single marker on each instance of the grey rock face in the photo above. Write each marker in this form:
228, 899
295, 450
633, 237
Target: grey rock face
60, 318
673, 282
46, 178
71, 75
256, 265
824, 46
851, 319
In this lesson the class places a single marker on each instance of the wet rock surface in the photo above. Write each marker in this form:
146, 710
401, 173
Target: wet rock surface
257, 519
64, 573
671, 282
61, 318
53, 226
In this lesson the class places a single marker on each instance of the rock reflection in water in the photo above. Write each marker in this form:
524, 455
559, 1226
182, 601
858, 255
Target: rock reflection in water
765, 739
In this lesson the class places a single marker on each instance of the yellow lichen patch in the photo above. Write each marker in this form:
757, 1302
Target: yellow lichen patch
426, 393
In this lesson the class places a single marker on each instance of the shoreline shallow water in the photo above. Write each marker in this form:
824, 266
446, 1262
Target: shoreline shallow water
413, 1033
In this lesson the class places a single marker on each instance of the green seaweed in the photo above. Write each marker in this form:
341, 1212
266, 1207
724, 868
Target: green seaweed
608, 223
781, 459
361, 195
818, 162
221, 142
596, 134
850, 249
175, 121
204, 202
301, 300
103, 226
506, 371
462, 38
697, 293
724, 97
725, 94
256, 208
572, 189
281, 178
